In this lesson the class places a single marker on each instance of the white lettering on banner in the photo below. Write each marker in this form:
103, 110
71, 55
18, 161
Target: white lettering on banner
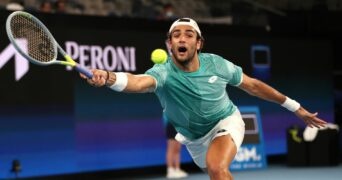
96, 56
21, 64
108, 58
84, 57
109, 53
244, 154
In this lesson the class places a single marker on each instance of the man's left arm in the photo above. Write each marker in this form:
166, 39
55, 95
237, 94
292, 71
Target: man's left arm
260, 89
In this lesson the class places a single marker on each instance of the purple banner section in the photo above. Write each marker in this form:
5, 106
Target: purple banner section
121, 144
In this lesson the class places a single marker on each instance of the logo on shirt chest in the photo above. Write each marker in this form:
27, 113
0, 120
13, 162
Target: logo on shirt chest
212, 79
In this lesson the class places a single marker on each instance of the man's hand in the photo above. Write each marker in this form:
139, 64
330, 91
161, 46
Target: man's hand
99, 78
310, 119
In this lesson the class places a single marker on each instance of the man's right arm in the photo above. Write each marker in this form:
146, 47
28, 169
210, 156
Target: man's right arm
123, 82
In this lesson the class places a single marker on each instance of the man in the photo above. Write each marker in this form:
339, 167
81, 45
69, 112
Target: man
191, 87
173, 153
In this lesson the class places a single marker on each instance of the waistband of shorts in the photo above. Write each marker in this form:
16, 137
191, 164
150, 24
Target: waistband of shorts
213, 129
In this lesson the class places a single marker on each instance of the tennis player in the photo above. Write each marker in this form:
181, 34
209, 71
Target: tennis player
191, 87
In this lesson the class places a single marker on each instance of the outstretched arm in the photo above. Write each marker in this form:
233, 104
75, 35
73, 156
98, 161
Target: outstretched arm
125, 82
259, 89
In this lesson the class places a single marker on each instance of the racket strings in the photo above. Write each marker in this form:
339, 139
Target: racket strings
40, 46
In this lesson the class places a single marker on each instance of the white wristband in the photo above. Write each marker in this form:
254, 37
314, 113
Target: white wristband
291, 104
120, 82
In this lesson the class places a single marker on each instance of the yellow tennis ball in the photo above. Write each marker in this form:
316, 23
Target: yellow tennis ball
159, 56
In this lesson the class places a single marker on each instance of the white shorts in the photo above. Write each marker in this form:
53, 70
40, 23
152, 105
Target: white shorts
233, 125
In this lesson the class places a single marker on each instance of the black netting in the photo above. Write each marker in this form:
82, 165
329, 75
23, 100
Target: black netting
40, 45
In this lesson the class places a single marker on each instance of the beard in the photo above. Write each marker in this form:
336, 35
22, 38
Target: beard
184, 60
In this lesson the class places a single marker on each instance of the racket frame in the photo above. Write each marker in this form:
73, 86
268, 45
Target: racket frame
57, 48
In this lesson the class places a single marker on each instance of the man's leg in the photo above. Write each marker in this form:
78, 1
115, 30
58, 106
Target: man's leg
221, 153
173, 153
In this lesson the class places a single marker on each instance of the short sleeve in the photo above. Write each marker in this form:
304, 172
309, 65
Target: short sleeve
236, 75
231, 72
159, 73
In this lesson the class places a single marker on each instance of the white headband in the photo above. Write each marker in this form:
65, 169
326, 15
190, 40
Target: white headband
185, 21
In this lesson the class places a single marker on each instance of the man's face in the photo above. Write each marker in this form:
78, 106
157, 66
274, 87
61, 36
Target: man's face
184, 43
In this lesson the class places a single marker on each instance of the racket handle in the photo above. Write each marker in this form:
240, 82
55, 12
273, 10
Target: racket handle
84, 71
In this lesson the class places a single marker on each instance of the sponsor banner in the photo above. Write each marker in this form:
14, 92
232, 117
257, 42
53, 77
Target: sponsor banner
251, 154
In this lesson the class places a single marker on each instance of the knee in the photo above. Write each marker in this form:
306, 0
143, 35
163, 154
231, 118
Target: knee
218, 171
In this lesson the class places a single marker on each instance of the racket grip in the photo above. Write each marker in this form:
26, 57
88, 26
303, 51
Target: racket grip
84, 71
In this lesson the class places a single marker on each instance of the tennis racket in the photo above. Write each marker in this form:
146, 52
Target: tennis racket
42, 48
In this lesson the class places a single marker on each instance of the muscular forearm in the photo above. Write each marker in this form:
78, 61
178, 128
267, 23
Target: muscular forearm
133, 84
263, 91
266, 92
